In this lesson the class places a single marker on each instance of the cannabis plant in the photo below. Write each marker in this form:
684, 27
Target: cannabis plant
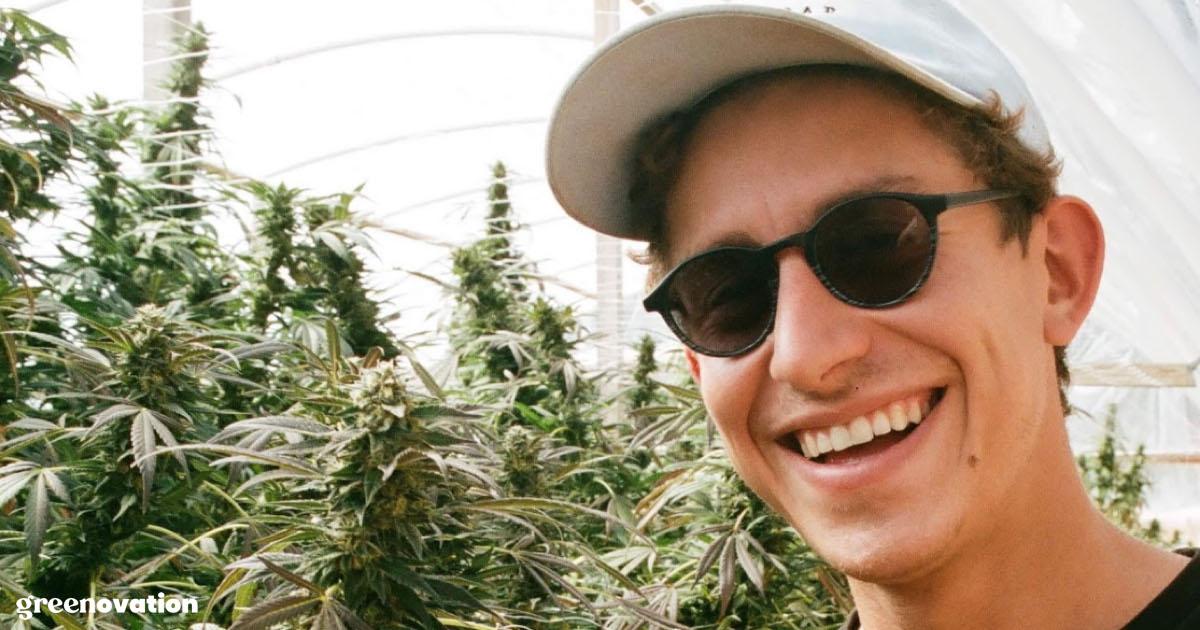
114, 376
368, 488
311, 271
245, 429
1118, 484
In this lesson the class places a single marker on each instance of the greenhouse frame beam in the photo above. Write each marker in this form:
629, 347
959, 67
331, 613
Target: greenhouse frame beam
474, 190
1165, 458
45, 4
404, 138
649, 7
163, 22
391, 37
1133, 375
609, 251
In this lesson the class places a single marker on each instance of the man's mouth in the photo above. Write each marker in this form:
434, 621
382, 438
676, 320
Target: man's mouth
866, 434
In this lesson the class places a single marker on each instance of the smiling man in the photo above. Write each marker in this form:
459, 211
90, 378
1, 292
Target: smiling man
853, 228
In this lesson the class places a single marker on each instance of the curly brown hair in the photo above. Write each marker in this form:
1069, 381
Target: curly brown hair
985, 138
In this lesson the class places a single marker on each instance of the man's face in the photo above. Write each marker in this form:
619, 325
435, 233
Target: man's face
970, 343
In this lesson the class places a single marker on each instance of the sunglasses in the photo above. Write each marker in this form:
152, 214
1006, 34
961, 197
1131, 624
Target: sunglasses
872, 251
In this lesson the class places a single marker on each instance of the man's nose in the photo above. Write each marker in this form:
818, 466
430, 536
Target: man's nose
818, 340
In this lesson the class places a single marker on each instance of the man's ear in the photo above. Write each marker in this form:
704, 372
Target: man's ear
693, 364
1074, 261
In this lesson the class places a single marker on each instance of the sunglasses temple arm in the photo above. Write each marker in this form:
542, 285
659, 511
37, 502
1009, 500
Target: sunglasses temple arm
978, 196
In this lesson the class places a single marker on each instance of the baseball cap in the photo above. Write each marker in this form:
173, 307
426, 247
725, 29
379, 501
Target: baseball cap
674, 59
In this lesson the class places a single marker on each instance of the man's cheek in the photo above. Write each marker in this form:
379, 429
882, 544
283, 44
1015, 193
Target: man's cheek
746, 456
729, 387
734, 395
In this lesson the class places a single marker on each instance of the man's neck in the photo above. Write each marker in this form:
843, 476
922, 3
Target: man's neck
1054, 562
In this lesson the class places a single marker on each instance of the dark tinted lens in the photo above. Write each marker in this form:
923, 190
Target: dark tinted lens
873, 251
723, 301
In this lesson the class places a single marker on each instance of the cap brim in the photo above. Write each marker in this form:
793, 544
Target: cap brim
668, 63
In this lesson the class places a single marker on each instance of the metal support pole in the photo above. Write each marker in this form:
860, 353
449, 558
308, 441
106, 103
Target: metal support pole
608, 249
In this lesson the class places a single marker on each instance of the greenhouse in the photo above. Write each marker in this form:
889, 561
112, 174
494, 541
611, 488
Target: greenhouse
297, 333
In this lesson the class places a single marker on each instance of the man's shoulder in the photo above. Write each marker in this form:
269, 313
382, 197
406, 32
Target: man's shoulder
1177, 607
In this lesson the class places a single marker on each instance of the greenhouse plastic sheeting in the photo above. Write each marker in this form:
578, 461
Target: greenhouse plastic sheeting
1119, 85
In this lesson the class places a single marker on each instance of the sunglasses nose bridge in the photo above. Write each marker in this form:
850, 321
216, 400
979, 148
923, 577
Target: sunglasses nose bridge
795, 245
815, 334
797, 278
799, 241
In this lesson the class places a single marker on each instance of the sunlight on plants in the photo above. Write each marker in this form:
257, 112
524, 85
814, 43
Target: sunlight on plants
245, 429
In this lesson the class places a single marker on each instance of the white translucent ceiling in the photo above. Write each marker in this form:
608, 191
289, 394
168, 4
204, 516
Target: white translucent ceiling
416, 99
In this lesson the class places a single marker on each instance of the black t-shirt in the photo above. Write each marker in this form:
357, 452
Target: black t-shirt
1177, 607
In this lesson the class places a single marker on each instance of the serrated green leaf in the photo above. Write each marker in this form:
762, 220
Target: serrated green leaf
141, 437
37, 518
348, 616
750, 565
291, 577
14, 481
726, 575
55, 483
274, 611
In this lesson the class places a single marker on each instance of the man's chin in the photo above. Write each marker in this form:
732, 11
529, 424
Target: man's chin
884, 557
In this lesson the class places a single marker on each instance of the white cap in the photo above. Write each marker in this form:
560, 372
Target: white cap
672, 60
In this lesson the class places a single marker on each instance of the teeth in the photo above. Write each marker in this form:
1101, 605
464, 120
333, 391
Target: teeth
810, 441
840, 437
914, 412
898, 417
862, 429
880, 424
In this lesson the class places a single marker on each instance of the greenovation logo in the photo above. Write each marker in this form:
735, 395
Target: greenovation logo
27, 607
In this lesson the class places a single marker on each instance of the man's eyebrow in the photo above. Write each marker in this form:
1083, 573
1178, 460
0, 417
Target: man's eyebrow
736, 238
732, 239
883, 183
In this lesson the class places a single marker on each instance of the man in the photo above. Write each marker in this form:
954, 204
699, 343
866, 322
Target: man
854, 230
